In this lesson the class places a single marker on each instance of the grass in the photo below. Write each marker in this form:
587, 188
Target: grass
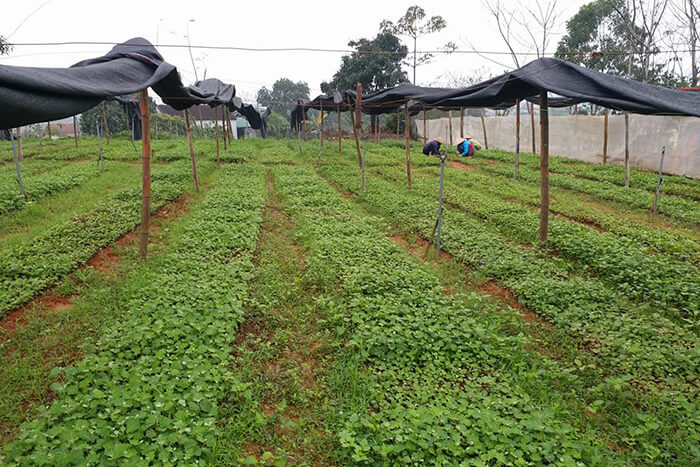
281, 354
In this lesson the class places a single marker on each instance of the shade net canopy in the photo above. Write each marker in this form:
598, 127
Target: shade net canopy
32, 95
568, 83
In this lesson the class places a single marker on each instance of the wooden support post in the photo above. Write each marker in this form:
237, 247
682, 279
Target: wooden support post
320, 140
201, 120
321, 134
425, 127
517, 137
48, 126
133, 130
461, 122
104, 121
230, 127
483, 127
605, 137
99, 146
189, 141
223, 126
19, 174
75, 131
544, 168
658, 183
357, 122
216, 124
531, 107
627, 150
439, 217
364, 157
145, 174
20, 151
340, 134
407, 131
449, 119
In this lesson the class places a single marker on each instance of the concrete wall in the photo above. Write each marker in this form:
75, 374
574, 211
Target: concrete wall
581, 137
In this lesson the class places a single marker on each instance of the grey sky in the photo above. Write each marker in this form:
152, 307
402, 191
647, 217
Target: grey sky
320, 24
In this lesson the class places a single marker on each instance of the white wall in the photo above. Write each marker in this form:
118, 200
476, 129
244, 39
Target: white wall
581, 137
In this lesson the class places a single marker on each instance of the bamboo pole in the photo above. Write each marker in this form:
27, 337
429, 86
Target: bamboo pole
483, 127
627, 150
145, 174
321, 135
340, 134
49, 129
658, 183
223, 126
425, 127
531, 108
99, 146
364, 157
357, 122
75, 131
216, 124
605, 138
230, 127
19, 174
189, 141
104, 121
544, 168
517, 137
407, 132
449, 119
201, 120
461, 122
20, 151
439, 218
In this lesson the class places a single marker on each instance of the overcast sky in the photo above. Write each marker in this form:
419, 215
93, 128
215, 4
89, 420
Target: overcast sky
261, 24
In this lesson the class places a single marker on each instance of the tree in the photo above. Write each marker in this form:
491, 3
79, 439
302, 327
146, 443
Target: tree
414, 24
5, 47
375, 63
283, 94
595, 37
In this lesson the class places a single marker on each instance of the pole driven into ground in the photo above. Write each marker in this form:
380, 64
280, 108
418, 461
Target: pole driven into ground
99, 145
19, 174
104, 121
544, 168
407, 132
443, 157
517, 138
658, 183
145, 174
189, 140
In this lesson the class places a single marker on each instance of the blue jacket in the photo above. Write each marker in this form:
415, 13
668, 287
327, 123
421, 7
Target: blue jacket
432, 146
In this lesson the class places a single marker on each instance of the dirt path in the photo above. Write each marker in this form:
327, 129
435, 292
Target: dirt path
280, 350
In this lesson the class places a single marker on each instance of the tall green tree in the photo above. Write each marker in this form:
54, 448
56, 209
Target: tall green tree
596, 38
608, 36
375, 63
116, 117
283, 93
415, 24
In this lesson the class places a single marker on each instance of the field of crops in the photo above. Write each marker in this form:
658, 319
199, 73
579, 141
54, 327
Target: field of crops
289, 315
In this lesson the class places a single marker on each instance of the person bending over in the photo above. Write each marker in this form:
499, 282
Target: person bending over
432, 147
467, 147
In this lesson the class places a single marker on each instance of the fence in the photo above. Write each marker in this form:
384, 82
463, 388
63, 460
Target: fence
581, 137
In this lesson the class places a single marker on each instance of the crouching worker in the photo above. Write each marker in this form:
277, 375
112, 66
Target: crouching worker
432, 147
467, 147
